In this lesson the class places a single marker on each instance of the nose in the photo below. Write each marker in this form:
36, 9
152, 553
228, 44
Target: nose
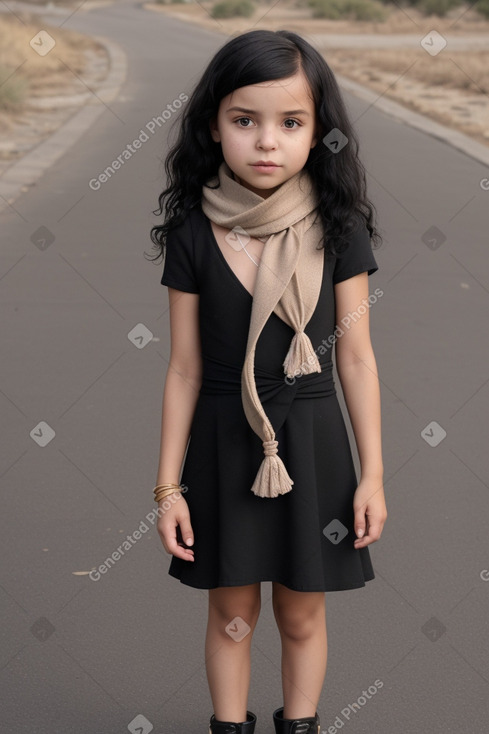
267, 138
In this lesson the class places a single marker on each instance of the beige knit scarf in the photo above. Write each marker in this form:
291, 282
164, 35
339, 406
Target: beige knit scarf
288, 283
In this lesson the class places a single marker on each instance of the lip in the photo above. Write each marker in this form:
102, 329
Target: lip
265, 168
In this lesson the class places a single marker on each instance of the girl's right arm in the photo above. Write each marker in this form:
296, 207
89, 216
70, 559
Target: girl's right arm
182, 384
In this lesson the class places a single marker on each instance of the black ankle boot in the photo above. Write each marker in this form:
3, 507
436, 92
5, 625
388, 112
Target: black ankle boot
308, 725
230, 727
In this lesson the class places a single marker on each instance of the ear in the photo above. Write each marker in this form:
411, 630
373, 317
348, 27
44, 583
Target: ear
214, 131
319, 133
315, 137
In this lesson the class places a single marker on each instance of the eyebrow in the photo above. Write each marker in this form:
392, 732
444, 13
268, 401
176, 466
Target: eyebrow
254, 112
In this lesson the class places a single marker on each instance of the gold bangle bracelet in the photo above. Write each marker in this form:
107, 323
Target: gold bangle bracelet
163, 487
162, 499
165, 493
168, 490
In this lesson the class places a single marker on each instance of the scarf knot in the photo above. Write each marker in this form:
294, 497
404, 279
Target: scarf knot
270, 448
288, 283
301, 358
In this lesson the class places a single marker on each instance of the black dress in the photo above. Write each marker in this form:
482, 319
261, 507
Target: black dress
303, 539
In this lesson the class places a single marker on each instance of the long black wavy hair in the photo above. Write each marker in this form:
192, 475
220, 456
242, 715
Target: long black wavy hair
251, 58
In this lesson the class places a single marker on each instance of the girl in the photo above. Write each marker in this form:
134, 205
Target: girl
267, 235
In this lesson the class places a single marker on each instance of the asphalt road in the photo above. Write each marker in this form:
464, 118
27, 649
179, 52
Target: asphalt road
125, 652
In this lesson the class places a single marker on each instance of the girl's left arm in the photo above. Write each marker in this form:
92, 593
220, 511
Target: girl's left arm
357, 371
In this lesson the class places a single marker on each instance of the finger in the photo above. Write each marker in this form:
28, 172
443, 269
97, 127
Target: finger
373, 533
186, 530
169, 536
186, 554
179, 551
374, 530
360, 523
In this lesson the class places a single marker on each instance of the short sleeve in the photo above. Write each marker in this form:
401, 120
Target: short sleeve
179, 265
356, 258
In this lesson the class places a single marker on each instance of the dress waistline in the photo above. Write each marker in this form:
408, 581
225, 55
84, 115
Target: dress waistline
220, 378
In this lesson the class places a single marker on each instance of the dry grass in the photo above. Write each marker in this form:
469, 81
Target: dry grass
465, 70
442, 91
24, 74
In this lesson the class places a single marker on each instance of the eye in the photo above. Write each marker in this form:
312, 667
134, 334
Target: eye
291, 120
242, 118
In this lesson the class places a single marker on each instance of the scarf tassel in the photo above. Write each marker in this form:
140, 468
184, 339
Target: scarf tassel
272, 478
301, 358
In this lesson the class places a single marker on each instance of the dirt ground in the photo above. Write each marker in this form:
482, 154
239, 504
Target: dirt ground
51, 87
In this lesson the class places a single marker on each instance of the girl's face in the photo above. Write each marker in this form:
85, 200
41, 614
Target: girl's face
272, 122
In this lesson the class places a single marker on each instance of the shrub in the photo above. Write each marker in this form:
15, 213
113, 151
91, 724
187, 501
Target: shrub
326, 9
356, 9
437, 7
13, 90
233, 8
366, 9
482, 7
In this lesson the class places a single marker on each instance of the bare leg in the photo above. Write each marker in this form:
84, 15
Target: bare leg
301, 620
227, 657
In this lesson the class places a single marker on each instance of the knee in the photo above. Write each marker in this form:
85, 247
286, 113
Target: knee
298, 622
234, 611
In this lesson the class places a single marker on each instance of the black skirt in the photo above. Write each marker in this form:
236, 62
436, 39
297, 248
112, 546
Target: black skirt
303, 539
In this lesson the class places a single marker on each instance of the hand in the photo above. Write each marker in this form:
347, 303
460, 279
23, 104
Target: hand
370, 511
177, 516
